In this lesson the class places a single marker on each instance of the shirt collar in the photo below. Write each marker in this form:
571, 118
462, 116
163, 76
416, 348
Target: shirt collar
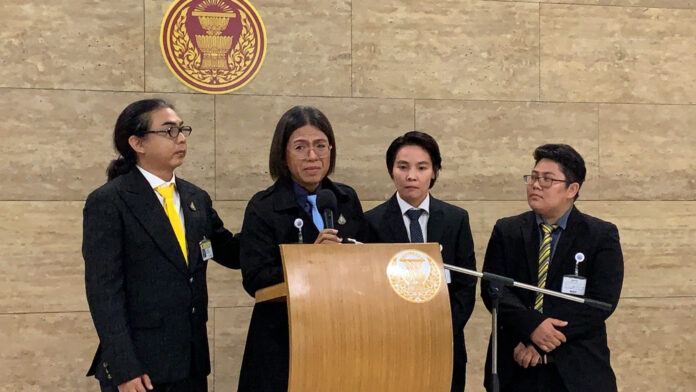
155, 181
404, 206
561, 222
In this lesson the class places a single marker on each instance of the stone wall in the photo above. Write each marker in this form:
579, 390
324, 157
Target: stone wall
490, 80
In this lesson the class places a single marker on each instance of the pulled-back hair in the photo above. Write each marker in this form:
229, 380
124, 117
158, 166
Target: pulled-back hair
134, 120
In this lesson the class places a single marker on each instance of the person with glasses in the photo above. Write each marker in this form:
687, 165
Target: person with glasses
412, 214
547, 343
302, 155
147, 239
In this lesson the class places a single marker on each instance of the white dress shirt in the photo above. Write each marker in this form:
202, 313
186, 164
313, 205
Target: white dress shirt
155, 181
422, 220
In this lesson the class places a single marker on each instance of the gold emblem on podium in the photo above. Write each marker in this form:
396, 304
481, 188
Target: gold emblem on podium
213, 46
414, 276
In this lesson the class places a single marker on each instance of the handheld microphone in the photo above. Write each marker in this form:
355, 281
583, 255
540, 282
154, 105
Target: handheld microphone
327, 206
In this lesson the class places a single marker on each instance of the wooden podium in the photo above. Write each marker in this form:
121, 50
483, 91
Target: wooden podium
363, 318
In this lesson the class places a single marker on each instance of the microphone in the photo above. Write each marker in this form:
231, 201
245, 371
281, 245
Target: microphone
327, 206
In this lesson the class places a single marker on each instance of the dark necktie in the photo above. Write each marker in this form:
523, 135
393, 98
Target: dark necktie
414, 227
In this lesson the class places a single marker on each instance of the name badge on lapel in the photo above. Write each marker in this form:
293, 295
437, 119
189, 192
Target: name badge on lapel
206, 249
575, 284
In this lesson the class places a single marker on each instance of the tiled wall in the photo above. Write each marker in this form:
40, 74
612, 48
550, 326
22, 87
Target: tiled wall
489, 79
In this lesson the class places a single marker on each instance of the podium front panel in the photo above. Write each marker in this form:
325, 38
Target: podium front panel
370, 317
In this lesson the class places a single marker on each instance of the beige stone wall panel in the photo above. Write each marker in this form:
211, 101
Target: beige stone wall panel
75, 44
679, 4
617, 54
651, 346
487, 146
41, 257
225, 285
47, 352
647, 152
363, 129
308, 50
658, 240
231, 329
445, 49
62, 141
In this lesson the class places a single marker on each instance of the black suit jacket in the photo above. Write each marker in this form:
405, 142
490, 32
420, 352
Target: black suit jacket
449, 226
583, 361
269, 222
149, 308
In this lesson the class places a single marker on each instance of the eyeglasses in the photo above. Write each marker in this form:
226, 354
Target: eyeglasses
544, 182
322, 150
173, 132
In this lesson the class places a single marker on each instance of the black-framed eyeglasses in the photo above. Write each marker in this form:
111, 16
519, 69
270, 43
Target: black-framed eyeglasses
174, 131
544, 182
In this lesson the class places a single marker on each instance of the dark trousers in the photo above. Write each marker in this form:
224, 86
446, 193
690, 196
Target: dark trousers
540, 378
185, 385
458, 378
459, 362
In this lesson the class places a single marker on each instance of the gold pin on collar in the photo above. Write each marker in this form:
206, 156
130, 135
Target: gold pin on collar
192, 207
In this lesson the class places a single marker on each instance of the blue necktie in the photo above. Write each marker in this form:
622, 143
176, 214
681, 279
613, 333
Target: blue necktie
316, 217
414, 227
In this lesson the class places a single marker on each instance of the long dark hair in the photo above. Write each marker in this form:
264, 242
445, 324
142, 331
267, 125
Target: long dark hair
133, 120
295, 118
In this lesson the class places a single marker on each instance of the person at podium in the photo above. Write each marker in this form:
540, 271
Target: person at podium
413, 215
547, 343
302, 155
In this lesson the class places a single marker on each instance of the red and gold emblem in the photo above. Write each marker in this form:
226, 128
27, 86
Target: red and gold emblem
213, 46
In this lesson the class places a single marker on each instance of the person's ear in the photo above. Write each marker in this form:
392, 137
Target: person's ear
136, 144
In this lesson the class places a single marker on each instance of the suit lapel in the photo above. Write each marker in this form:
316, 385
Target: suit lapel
146, 208
574, 230
436, 221
531, 242
392, 227
191, 211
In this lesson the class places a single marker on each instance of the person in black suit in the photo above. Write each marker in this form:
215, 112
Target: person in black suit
147, 239
413, 215
303, 153
547, 343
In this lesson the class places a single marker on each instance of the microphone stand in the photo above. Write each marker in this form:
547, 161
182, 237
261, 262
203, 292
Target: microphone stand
497, 282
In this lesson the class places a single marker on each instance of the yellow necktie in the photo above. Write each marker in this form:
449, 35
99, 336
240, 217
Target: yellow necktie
167, 192
544, 259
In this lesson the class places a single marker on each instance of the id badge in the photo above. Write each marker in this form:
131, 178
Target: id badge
206, 249
574, 284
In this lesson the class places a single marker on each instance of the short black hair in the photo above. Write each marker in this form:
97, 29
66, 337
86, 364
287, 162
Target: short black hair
295, 118
570, 162
420, 139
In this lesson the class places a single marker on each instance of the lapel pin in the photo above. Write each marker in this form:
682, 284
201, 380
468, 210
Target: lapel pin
341, 220
192, 207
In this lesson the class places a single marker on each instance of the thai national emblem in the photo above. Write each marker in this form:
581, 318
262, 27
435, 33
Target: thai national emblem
213, 46
414, 276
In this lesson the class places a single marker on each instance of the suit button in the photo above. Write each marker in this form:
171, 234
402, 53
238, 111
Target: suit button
193, 310
191, 279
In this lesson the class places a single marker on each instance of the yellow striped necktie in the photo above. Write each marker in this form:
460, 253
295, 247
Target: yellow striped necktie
544, 259
167, 192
